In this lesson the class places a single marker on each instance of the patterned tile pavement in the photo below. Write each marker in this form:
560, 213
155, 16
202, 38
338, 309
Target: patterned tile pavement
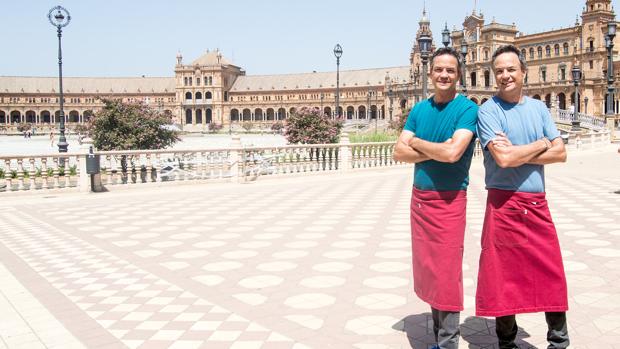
304, 262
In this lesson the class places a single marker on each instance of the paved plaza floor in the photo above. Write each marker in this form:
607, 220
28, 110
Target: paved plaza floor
302, 262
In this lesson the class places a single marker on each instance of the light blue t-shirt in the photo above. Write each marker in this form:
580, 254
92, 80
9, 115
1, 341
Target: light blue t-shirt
436, 123
523, 123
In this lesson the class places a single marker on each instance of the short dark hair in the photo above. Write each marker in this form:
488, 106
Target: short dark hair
508, 49
447, 51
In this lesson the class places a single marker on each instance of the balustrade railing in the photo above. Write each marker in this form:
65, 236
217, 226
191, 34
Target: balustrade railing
142, 167
591, 122
34, 172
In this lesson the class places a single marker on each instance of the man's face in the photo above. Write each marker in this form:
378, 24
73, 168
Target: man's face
445, 73
508, 73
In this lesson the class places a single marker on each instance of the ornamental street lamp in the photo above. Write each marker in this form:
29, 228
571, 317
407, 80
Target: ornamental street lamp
445, 36
338, 54
425, 48
576, 72
59, 17
464, 69
609, 44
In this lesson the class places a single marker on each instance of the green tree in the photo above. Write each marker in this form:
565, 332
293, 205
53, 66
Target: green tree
311, 126
131, 126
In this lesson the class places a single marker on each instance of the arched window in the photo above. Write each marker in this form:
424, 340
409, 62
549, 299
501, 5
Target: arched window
247, 115
556, 49
487, 78
198, 95
539, 52
548, 51
208, 95
523, 53
234, 115
188, 96
486, 55
199, 116
188, 116
566, 48
531, 53
591, 45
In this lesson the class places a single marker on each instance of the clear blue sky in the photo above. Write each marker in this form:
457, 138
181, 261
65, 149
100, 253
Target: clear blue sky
139, 37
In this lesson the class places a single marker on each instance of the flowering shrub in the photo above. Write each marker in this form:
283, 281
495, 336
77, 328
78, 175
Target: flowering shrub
398, 124
214, 127
311, 126
131, 126
277, 126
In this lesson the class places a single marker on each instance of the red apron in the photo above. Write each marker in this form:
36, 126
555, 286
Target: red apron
437, 233
521, 268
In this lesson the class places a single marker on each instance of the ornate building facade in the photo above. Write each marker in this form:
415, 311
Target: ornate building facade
211, 89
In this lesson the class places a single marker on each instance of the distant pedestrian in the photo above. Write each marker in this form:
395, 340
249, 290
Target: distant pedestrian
52, 138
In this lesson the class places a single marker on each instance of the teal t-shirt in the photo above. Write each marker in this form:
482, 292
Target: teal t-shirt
437, 123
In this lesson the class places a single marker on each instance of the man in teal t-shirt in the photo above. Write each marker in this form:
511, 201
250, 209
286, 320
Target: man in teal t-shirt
439, 138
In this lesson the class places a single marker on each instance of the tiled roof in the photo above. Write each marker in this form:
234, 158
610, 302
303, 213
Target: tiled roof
211, 58
30, 84
323, 80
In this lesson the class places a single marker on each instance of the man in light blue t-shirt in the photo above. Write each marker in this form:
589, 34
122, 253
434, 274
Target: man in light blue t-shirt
521, 268
439, 138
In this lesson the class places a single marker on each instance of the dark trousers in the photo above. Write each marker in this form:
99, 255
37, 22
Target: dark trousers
446, 328
557, 333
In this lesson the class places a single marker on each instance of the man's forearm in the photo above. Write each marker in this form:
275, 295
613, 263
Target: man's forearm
557, 153
517, 155
443, 152
404, 153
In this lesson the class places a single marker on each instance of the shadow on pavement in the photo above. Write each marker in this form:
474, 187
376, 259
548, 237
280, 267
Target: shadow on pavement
478, 332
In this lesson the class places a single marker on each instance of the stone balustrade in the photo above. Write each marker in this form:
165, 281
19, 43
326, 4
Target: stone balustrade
590, 122
36, 172
67, 172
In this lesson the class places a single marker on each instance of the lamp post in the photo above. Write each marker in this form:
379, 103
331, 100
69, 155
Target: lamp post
464, 69
338, 54
576, 72
425, 48
59, 17
445, 36
322, 96
609, 44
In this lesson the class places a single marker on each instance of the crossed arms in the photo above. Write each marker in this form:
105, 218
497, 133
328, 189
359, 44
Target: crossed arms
540, 152
412, 149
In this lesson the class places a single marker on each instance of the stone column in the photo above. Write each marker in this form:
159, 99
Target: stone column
611, 128
235, 159
345, 153
84, 184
